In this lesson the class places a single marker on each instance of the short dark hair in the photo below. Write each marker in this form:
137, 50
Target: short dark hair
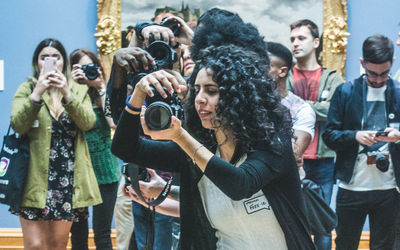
377, 49
306, 22
49, 42
280, 51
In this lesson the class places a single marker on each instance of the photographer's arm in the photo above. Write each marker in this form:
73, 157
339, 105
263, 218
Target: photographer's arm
167, 207
156, 185
261, 167
125, 60
127, 143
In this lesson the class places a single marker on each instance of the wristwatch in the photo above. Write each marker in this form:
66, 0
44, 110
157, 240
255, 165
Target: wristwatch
102, 92
140, 26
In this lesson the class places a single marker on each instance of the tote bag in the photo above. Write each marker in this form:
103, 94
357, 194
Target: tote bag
321, 218
14, 165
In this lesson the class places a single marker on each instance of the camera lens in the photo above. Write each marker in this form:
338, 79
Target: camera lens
381, 162
91, 71
172, 24
158, 116
163, 54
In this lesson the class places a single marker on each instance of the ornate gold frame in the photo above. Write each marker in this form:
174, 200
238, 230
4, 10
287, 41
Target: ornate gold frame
334, 36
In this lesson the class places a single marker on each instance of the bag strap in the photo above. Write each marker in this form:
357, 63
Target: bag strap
9, 128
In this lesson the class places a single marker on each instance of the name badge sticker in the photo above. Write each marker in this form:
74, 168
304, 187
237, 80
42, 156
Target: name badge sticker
35, 124
324, 94
256, 204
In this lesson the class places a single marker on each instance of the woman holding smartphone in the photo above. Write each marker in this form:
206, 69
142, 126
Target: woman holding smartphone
106, 167
54, 113
240, 187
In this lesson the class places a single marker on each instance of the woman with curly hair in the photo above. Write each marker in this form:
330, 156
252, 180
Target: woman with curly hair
239, 181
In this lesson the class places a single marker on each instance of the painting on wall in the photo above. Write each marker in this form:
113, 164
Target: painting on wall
272, 17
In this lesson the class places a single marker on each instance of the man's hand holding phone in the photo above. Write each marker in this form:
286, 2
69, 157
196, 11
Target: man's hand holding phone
381, 133
388, 135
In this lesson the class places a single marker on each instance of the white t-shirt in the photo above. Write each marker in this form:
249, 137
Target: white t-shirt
367, 177
303, 116
245, 224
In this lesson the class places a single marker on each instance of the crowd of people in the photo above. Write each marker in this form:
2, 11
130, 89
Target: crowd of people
222, 126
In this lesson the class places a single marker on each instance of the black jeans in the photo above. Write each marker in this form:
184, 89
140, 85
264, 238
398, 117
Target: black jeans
102, 218
352, 207
79, 235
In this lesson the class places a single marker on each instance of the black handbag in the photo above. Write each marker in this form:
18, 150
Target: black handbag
321, 218
13, 169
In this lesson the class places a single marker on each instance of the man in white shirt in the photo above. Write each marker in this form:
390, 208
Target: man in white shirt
303, 116
363, 129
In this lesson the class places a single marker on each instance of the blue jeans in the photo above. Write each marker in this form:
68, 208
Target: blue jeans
320, 171
162, 228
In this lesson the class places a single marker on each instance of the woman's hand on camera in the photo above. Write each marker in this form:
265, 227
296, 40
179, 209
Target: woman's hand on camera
58, 80
159, 33
172, 133
159, 79
133, 59
77, 74
172, 81
185, 32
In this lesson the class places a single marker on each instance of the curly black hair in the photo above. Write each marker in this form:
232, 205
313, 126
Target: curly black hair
248, 105
220, 27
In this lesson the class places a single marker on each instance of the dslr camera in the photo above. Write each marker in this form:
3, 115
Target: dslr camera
381, 159
159, 110
91, 71
162, 52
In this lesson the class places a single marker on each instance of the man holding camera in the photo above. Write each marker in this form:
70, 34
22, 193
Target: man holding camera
363, 129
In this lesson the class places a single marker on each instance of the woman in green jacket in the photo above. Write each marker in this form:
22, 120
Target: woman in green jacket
54, 113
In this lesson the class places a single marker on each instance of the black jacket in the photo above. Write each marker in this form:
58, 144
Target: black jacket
276, 174
344, 120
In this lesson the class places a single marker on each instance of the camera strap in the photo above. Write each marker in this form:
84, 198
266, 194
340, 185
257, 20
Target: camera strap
133, 172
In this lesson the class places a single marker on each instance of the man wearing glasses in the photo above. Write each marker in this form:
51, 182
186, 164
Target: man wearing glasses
397, 76
363, 128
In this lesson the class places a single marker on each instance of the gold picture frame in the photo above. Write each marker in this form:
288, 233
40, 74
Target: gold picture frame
108, 33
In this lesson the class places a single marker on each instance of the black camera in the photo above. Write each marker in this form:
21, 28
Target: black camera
172, 24
164, 56
382, 163
160, 110
163, 53
380, 159
130, 170
91, 70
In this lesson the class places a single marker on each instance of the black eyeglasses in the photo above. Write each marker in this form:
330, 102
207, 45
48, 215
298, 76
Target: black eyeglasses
374, 75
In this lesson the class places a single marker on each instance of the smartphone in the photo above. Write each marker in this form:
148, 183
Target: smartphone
382, 133
49, 64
